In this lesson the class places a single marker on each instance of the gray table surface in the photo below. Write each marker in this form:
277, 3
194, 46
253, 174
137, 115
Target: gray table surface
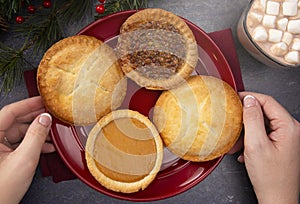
229, 182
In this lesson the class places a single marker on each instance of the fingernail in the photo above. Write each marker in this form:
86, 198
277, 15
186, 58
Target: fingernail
45, 119
249, 101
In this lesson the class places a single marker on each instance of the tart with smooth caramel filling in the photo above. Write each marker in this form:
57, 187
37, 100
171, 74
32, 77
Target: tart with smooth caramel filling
124, 151
157, 49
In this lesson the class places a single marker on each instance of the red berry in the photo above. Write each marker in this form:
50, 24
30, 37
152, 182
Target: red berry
47, 3
100, 8
101, 1
31, 9
20, 19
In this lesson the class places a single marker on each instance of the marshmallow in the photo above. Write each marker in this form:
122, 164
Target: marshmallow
296, 44
287, 38
290, 0
279, 49
292, 57
297, 16
269, 21
272, 8
260, 34
263, 2
289, 8
294, 26
275, 35
254, 19
282, 23
259, 5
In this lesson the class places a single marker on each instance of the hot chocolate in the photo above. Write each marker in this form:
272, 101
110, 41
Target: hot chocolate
270, 31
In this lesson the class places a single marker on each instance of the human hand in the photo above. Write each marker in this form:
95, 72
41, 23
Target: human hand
21, 145
272, 156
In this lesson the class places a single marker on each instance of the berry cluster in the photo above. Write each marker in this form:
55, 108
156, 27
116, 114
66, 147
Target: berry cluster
32, 9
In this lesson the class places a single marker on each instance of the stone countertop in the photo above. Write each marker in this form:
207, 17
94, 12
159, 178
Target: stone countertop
229, 182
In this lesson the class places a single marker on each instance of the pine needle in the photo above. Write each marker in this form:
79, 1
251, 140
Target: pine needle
75, 10
3, 24
44, 27
8, 8
11, 67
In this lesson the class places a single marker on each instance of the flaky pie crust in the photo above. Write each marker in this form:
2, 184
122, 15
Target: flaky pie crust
200, 120
80, 80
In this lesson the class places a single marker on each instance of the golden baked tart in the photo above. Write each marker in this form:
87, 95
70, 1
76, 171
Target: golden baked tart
124, 151
157, 49
80, 80
200, 120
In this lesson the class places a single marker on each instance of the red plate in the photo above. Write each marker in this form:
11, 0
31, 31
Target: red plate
181, 175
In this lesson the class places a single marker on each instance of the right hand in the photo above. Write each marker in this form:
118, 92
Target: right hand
272, 157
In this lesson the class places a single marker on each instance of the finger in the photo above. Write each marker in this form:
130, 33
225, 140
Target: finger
35, 137
255, 133
4, 148
16, 132
4, 141
10, 112
30, 116
271, 108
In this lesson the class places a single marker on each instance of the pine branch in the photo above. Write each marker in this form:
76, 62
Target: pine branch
11, 67
43, 28
8, 8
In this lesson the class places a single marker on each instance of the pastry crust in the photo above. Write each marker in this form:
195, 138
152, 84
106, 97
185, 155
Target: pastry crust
200, 120
93, 147
157, 49
80, 80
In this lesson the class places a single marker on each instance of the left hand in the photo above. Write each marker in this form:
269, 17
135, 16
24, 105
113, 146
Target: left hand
23, 132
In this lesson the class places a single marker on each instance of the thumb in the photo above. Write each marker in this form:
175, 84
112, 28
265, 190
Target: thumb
35, 137
255, 132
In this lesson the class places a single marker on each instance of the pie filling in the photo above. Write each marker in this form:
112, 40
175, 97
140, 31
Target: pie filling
154, 64
155, 49
125, 150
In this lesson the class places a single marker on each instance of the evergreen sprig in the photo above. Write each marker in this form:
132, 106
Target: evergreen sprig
44, 28
8, 8
12, 63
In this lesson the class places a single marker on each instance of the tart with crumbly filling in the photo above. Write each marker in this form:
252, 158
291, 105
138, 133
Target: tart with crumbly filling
157, 49
124, 151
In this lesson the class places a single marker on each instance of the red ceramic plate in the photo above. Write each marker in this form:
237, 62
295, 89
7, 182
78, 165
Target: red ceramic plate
179, 175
